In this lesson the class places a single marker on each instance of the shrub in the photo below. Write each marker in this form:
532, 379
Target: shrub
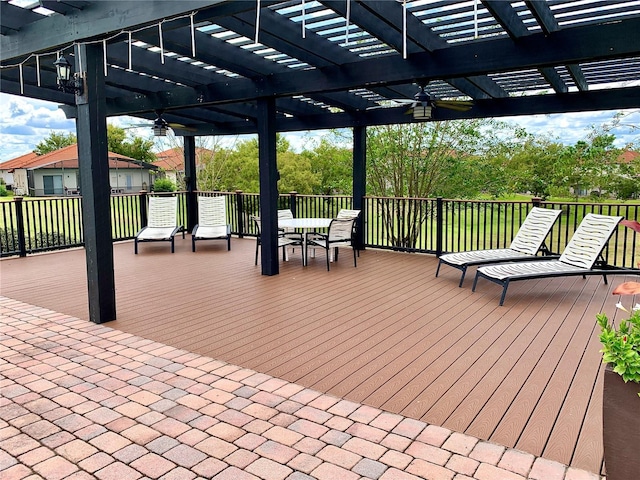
3, 190
164, 185
40, 240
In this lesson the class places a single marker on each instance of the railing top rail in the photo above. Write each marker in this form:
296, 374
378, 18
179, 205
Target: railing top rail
316, 196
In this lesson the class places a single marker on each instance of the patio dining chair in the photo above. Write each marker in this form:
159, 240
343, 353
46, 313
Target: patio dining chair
581, 256
162, 223
346, 213
525, 246
283, 241
340, 234
212, 221
288, 232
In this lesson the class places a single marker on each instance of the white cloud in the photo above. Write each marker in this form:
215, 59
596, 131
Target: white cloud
569, 128
25, 122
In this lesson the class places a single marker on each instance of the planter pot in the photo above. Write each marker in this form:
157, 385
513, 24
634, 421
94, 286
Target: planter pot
621, 427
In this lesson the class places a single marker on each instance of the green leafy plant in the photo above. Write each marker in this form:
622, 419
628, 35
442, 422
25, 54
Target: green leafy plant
621, 345
163, 185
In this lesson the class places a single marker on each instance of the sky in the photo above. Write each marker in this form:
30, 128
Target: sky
24, 122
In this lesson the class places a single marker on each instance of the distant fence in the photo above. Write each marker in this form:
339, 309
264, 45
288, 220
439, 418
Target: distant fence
403, 224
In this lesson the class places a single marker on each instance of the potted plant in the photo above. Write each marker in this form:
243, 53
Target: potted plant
621, 395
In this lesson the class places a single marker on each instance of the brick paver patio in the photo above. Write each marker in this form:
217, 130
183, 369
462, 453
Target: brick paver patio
82, 401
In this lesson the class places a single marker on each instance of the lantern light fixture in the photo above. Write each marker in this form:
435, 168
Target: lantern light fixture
160, 127
68, 82
422, 106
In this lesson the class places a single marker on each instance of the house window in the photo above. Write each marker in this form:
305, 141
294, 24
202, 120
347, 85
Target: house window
52, 184
129, 180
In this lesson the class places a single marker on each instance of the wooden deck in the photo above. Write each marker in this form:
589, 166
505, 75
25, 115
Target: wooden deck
387, 333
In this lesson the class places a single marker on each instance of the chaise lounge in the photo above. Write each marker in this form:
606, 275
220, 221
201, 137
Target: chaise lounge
581, 256
527, 243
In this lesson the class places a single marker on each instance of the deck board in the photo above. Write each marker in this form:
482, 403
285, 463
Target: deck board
387, 333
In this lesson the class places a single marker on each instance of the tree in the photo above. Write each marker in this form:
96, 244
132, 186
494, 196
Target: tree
55, 141
241, 170
421, 161
296, 174
332, 165
533, 163
118, 141
589, 164
211, 159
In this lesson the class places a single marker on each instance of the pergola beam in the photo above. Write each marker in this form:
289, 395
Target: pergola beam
533, 51
97, 19
613, 99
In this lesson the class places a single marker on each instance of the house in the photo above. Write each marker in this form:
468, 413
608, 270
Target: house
56, 173
171, 162
14, 174
628, 156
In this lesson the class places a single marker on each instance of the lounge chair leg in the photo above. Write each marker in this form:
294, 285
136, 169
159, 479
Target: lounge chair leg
328, 253
464, 272
504, 292
475, 282
438, 269
172, 245
193, 244
354, 258
135, 246
605, 279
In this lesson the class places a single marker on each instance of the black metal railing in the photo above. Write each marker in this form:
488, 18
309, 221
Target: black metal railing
423, 225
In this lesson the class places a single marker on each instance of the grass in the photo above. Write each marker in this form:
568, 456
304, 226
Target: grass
469, 224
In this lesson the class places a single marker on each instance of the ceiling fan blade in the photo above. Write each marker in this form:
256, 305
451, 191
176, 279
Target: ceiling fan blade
180, 126
459, 106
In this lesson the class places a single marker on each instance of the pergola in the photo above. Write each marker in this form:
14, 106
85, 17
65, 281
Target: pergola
261, 66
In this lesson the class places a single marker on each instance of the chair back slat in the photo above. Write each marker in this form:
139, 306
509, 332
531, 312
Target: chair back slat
286, 213
212, 211
589, 240
534, 230
340, 229
346, 213
163, 212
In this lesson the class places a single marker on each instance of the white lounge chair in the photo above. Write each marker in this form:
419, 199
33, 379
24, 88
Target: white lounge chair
524, 247
579, 257
212, 221
162, 222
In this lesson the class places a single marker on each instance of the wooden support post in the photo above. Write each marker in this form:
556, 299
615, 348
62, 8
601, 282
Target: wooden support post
91, 125
360, 181
268, 185
191, 181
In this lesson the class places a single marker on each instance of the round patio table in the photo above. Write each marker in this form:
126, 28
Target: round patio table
304, 224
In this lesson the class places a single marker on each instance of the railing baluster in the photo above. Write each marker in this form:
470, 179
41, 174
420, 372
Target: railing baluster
422, 225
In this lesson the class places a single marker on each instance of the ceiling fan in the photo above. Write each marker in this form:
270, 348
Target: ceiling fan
160, 125
423, 104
